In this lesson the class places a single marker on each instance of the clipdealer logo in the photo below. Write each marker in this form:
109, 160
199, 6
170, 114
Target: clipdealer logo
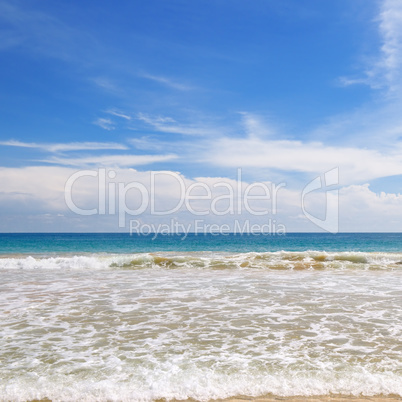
328, 183
199, 199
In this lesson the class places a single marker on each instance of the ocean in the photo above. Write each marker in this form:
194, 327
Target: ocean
114, 317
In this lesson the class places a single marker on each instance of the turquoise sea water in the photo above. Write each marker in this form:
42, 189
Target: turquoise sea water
124, 243
114, 317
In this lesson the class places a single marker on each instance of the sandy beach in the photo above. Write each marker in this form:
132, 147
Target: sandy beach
288, 399
318, 399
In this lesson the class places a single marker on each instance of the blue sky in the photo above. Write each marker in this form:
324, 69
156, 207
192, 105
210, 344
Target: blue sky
284, 90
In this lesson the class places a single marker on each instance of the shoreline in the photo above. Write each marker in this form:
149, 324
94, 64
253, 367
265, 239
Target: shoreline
271, 398
322, 398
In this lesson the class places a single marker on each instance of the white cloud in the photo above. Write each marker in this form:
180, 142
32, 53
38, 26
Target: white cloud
261, 150
106, 84
80, 146
169, 125
391, 49
356, 165
64, 147
188, 150
110, 160
25, 193
104, 123
43, 33
153, 144
385, 71
364, 210
120, 114
168, 82
26, 190
165, 124
254, 126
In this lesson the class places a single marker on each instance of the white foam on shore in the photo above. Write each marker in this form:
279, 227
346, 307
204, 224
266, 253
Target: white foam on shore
200, 385
200, 325
314, 260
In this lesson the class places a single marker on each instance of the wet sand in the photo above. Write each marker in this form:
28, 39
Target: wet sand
384, 398
316, 399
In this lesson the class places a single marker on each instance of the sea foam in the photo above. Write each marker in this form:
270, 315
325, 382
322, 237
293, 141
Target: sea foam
313, 260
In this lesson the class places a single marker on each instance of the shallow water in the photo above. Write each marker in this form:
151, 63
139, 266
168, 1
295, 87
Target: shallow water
200, 325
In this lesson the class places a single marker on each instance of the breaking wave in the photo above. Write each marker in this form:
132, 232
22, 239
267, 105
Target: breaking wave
282, 260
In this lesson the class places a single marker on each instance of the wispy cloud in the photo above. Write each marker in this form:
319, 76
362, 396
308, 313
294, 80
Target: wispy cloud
105, 123
167, 82
107, 85
43, 33
376, 124
355, 164
262, 147
110, 160
64, 147
188, 151
161, 124
386, 69
91, 160
254, 126
150, 144
391, 49
118, 113
169, 125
